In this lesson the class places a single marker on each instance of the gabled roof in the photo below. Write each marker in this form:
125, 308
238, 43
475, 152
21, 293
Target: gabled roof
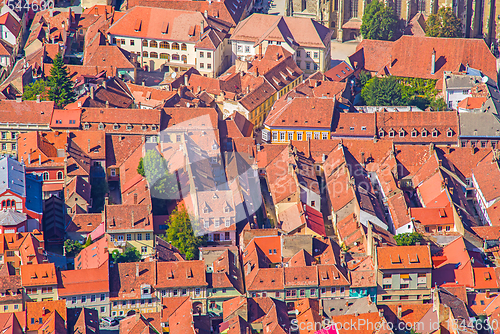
290, 113
181, 274
10, 23
13, 177
404, 257
36, 311
81, 281
126, 279
128, 217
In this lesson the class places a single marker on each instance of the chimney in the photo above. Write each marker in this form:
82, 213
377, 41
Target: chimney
137, 269
433, 62
29, 158
38, 98
186, 81
144, 83
106, 200
381, 312
206, 14
92, 91
79, 104
39, 159
19, 98
107, 104
132, 220
105, 83
487, 293
88, 146
363, 159
202, 25
135, 198
400, 311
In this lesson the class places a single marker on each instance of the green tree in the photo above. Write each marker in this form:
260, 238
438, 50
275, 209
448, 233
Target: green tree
88, 242
438, 104
140, 168
32, 90
382, 92
363, 78
164, 184
61, 87
408, 239
379, 22
444, 24
130, 254
72, 247
181, 235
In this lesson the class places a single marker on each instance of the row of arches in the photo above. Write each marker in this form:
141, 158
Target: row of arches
166, 56
46, 175
165, 45
9, 204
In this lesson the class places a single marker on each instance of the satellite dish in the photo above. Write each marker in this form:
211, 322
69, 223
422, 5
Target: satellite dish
485, 79
173, 75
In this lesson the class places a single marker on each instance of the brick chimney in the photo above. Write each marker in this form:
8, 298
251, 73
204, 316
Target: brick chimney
433, 62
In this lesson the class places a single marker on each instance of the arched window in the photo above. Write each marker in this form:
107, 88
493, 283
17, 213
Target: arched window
59, 175
153, 44
175, 57
175, 46
144, 43
184, 47
153, 55
3, 204
13, 204
144, 53
164, 56
164, 45
8, 202
184, 58
45, 176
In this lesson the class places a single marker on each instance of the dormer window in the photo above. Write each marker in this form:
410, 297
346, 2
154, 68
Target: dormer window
144, 127
414, 133
381, 133
424, 133
101, 126
153, 127
434, 133
392, 133
449, 133
401, 133
86, 126
129, 126
116, 126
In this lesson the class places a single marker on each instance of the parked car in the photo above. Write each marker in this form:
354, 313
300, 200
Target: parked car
109, 321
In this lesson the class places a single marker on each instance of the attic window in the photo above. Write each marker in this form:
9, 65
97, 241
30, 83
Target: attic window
144, 127
401, 133
424, 133
164, 28
381, 133
434, 133
396, 259
116, 126
86, 125
413, 133
129, 126
487, 276
392, 133
101, 126
414, 258
137, 26
449, 133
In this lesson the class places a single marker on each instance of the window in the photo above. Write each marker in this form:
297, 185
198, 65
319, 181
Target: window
145, 43
424, 133
333, 290
404, 297
308, 135
316, 135
129, 236
197, 291
209, 55
175, 57
228, 222
290, 136
440, 228
434, 133
324, 135
227, 236
120, 237
84, 299
414, 133
103, 297
247, 49
240, 48
45, 176
209, 66
427, 230
404, 286
16, 307
402, 133
449, 133
386, 297
387, 276
129, 126
153, 55
302, 292
202, 65
354, 8
308, 65
313, 292
308, 54
164, 45
164, 56
299, 135
184, 292
448, 228
183, 47
316, 54
132, 42
153, 44
342, 289
184, 59
73, 300
294, 293
138, 236
145, 54
144, 249
298, 53
391, 133
92, 298
386, 286
175, 292
282, 135
46, 290
148, 236
483, 143
175, 46
275, 136
59, 175
14, 146
4, 135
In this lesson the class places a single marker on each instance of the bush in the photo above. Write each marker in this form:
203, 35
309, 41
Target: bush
408, 239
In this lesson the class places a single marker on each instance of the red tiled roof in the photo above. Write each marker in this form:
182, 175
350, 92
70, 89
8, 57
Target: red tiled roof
487, 176
26, 112
129, 217
407, 257
126, 279
354, 125
433, 216
408, 51
77, 282
10, 23
43, 310
291, 113
181, 274
38, 274
471, 103
122, 117
66, 118
485, 278
94, 255
84, 222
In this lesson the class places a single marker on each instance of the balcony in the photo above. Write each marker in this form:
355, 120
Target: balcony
120, 243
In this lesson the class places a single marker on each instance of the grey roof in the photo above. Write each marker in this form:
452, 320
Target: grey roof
335, 307
479, 124
10, 217
12, 176
461, 81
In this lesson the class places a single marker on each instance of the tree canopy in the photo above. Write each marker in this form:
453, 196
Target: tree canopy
382, 92
408, 239
163, 184
130, 254
444, 24
72, 247
181, 235
379, 22
140, 167
34, 89
61, 87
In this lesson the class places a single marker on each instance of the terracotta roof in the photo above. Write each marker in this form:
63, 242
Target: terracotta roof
121, 218
485, 278
303, 32
416, 26
367, 318
417, 122
266, 279
94, 256
79, 186
487, 176
104, 55
43, 310
83, 281
150, 96
404, 257
181, 274
487, 232
354, 125
5, 48
38, 274
410, 50
122, 117
177, 312
290, 113
340, 72
471, 103
433, 216
126, 279
119, 148
84, 222
26, 112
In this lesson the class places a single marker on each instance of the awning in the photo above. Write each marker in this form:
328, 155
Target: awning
405, 276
